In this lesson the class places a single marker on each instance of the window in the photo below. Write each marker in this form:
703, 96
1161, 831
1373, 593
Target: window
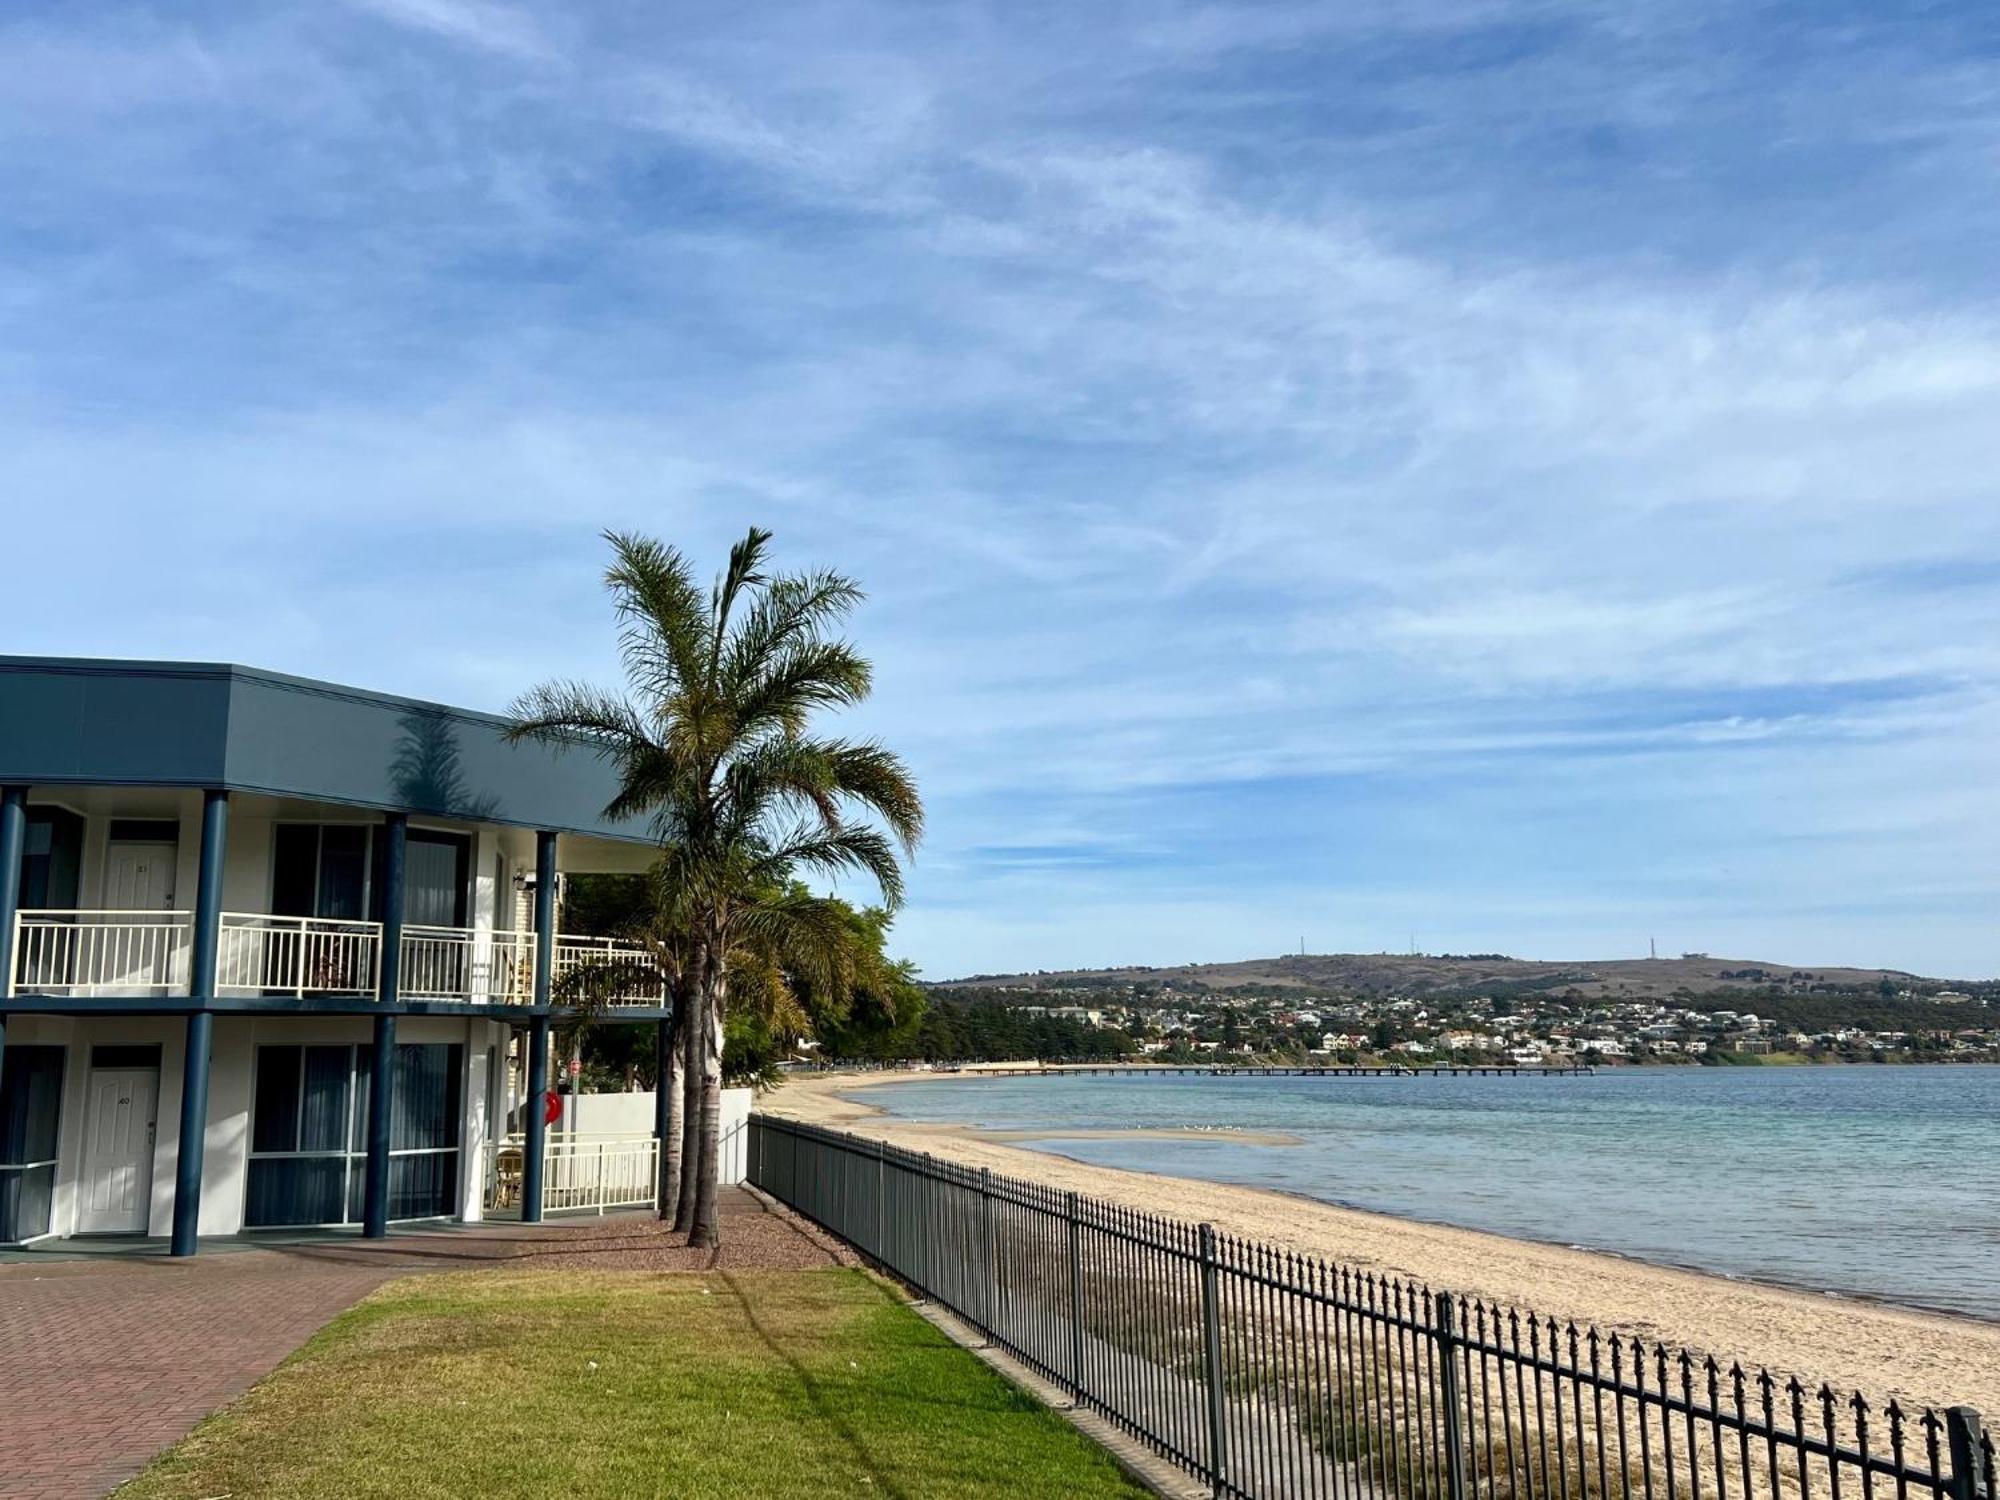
30, 1111
330, 870
436, 873
321, 870
130, 1055
52, 859
309, 1128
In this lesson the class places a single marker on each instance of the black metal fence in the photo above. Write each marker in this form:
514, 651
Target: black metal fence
1267, 1373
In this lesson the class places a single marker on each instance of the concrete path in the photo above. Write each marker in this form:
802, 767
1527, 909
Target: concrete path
107, 1358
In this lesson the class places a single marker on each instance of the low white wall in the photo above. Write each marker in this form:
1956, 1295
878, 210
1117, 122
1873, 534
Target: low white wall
632, 1114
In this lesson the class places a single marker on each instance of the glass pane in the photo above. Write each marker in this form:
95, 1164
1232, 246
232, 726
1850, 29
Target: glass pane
323, 1117
25, 1196
434, 881
423, 1187
274, 1124
126, 1056
294, 1190
343, 873
30, 1100
294, 869
52, 859
425, 1110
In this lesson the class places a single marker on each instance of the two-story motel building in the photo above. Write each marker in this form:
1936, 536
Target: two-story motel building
230, 901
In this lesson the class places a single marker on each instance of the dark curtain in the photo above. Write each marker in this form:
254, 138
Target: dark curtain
434, 878
424, 1117
302, 1104
315, 1099
343, 872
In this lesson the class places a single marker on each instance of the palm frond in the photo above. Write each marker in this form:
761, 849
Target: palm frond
746, 560
565, 714
838, 850
777, 775
794, 609
662, 627
865, 772
803, 677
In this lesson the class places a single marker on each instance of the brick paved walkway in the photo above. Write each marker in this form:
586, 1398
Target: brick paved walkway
107, 1359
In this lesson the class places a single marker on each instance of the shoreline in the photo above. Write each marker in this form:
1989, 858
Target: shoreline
1882, 1349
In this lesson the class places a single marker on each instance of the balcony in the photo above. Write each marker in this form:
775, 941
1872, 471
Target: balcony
634, 979
77, 953
298, 956
462, 963
102, 952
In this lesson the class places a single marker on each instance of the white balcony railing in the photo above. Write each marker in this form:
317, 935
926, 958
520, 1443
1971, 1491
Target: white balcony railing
463, 963
580, 1173
265, 955
639, 982
101, 952
146, 953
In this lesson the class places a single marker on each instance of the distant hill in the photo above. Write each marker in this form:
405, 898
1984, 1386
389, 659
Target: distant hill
1417, 974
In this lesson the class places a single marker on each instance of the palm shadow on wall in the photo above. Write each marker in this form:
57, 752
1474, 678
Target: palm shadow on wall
428, 771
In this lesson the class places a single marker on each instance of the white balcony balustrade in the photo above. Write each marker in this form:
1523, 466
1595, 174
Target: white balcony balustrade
580, 1173
463, 963
101, 952
150, 953
266, 955
630, 974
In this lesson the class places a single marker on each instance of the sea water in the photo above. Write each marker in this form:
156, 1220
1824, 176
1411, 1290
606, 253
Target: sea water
1878, 1182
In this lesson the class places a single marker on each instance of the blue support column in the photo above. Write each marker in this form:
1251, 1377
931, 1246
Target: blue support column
193, 1144
536, 1145
382, 1068
13, 841
13, 844
545, 917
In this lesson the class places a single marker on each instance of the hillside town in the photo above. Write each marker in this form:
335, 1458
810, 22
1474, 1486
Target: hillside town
1789, 1022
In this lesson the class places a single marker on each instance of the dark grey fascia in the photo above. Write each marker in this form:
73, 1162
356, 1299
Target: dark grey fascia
81, 721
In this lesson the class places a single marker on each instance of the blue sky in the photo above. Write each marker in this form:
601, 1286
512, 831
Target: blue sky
1517, 475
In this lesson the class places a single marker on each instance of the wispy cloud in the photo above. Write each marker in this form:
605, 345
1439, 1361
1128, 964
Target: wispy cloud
1516, 471
479, 24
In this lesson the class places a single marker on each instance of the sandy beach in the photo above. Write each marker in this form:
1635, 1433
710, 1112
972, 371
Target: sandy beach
1880, 1350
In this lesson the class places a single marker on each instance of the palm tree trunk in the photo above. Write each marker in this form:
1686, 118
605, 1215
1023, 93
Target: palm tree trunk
688, 1068
669, 1076
704, 1231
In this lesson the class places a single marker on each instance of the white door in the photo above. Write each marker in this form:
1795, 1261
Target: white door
117, 1182
138, 959
139, 877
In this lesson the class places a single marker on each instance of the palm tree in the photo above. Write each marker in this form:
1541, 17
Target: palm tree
712, 746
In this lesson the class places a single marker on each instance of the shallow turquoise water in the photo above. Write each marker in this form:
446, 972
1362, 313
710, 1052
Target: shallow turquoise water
1878, 1182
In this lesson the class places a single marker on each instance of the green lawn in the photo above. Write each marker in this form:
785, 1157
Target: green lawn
756, 1384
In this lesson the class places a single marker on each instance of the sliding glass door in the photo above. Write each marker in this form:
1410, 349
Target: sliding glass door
309, 1134
30, 1111
423, 1132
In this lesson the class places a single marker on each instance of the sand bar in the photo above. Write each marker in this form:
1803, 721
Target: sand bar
1880, 1350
